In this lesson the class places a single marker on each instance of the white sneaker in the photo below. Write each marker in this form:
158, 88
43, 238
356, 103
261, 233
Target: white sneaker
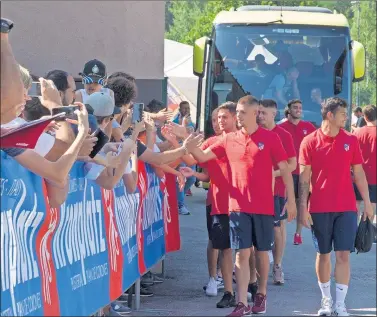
220, 283
183, 211
326, 307
211, 289
340, 309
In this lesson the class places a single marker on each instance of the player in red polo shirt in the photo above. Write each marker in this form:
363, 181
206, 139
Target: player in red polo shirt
266, 118
368, 145
252, 153
298, 129
326, 159
218, 205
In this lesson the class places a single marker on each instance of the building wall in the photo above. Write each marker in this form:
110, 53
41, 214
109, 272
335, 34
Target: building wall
125, 35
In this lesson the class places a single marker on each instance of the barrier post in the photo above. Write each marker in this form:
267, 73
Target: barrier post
137, 294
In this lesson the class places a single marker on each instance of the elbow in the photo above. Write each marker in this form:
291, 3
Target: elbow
57, 201
131, 189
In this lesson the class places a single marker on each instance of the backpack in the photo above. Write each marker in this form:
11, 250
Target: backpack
364, 236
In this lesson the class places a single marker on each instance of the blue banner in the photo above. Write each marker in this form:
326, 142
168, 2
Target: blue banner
76, 259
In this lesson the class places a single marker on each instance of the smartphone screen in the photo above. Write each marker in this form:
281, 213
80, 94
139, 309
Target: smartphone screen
102, 140
69, 111
35, 89
137, 112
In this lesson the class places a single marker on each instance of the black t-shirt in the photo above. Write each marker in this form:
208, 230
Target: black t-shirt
141, 148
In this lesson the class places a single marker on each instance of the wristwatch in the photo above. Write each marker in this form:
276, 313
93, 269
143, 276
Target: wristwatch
186, 150
6, 25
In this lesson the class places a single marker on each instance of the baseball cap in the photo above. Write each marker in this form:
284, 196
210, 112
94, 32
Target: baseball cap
101, 104
94, 72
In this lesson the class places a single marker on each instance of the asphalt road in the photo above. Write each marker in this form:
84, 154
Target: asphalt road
181, 294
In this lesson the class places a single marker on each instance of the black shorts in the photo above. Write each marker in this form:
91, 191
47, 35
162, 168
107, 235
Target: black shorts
218, 230
247, 230
372, 193
279, 203
334, 228
296, 179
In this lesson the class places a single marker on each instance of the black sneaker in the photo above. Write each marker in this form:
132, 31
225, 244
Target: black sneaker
252, 290
227, 301
144, 292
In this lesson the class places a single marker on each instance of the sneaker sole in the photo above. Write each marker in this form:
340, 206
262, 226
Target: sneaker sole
278, 283
211, 294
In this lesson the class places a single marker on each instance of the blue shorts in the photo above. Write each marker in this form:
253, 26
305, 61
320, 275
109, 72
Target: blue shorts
334, 228
279, 203
247, 230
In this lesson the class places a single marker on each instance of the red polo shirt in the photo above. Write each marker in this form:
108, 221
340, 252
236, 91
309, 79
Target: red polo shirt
218, 193
368, 144
287, 141
331, 159
298, 132
251, 160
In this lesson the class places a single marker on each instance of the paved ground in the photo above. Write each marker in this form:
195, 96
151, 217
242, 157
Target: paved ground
182, 295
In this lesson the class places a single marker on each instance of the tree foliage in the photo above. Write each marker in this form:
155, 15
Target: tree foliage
187, 21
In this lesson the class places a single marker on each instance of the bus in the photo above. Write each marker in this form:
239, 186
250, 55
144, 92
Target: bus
280, 53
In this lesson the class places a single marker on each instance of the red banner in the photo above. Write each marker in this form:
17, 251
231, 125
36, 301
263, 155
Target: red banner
171, 219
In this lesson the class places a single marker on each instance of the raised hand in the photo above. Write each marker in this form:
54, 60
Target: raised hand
177, 130
192, 142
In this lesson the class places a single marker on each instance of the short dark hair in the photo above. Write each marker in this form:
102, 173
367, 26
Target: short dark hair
269, 103
370, 113
59, 78
34, 110
293, 101
124, 90
286, 112
183, 103
331, 105
230, 106
248, 100
155, 106
101, 119
357, 109
122, 74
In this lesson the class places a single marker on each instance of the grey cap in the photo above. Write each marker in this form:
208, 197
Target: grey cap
101, 104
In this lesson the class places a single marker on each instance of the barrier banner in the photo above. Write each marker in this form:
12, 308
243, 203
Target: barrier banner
171, 217
76, 259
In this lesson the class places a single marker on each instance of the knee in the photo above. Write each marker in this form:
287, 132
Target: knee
324, 258
342, 257
243, 256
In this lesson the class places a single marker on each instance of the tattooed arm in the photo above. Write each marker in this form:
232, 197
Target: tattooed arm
304, 186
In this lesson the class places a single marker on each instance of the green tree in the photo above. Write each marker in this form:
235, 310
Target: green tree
364, 30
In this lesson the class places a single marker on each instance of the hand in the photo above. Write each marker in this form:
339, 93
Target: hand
110, 147
170, 137
149, 123
186, 120
186, 171
192, 142
163, 115
129, 145
126, 123
368, 211
139, 126
291, 209
305, 217
87, 145
50, 94
82, 117
113, 160
181, 181
52, 127
177, 130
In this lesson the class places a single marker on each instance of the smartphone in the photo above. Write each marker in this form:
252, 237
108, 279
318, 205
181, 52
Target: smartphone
102, 140
69, 111
137, 112
35, 89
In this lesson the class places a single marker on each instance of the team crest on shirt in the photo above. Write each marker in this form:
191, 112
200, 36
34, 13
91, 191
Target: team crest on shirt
260, 146
95, 69
346, 147
305, 132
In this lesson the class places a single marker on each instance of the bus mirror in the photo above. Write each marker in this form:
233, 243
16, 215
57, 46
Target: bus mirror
358, 56
200, 54
338, 73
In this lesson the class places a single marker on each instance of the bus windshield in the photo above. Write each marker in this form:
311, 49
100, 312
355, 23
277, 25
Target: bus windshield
279, 62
